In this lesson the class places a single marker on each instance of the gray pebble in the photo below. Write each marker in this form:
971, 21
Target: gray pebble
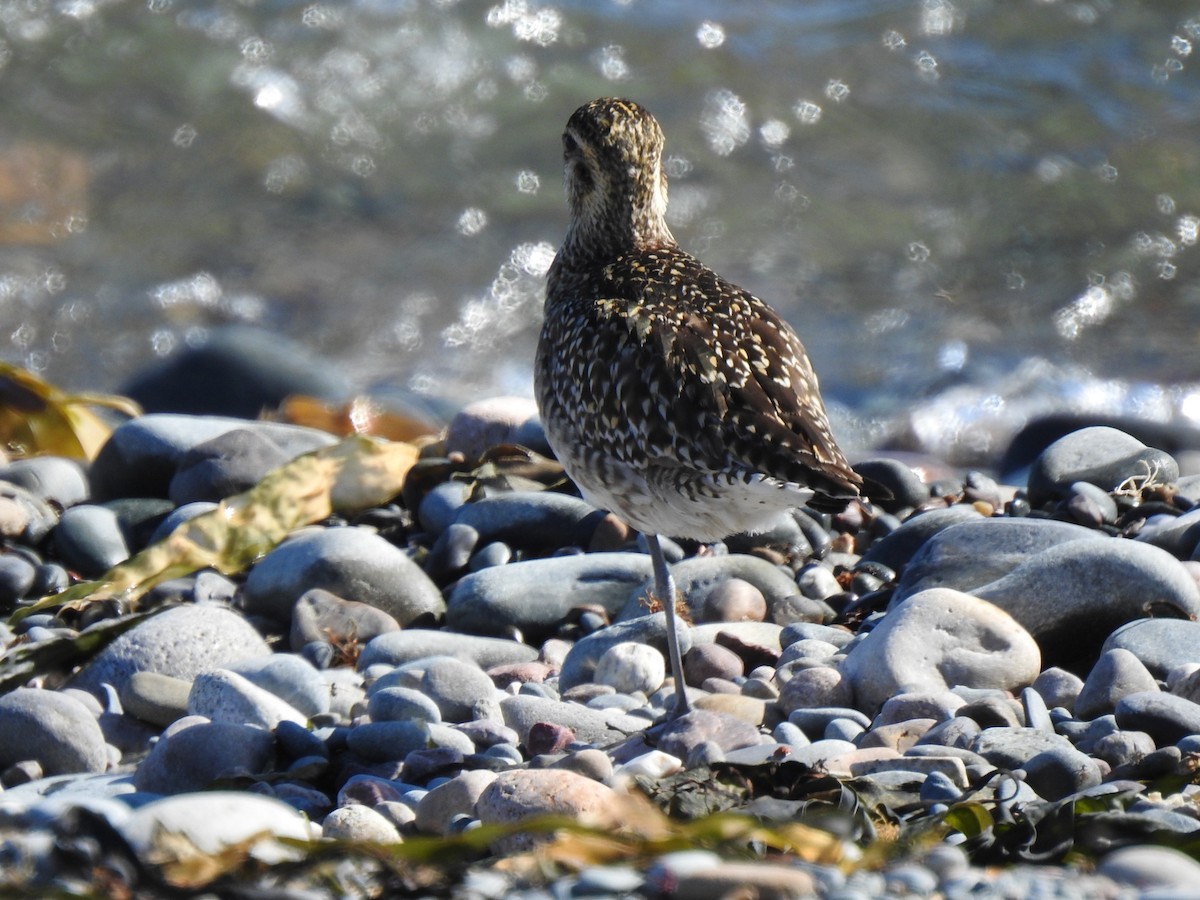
388, 741
630, 667
462, 691
937, 639
55, 729
705, 661
193, 753
402, 704
141, 456
1161, 644
52, 479
1149, 868
1164, 717
1100, 455
89, 540
178, 516
591, 726
180, 642
534, 596
353, 563
581, 662
898, 548
940, 706
1116, 673
17, 575
322, 616
1058, 687
700, 726
224, 465
156, 698
440, 505
224, 696
289, 677
399, 647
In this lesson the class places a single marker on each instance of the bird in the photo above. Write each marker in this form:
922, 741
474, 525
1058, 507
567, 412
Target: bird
672, 397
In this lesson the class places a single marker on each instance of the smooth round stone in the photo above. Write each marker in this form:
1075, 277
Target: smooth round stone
53, 479
548, 738
181, 642
1058, 687
462, 691
212, 823
758, 879
896, 549
1055, 768
802, 631
457, 797
158, 699
451, 552
581, 661
89, 540
735, 600
359, 823
520, 794
353, 563
388, 741
53, 728
700, 726
483, 424
938, 639
939, 788
1160, 644
974, 553
748, 709
532, 519
1149, 868
905, 486
959, 732
591, 726
818, 687
589, 762
697, 577
141, 456
1116, 673
940, 706
1103, 456
399, 647
705, 661
223, 466
630, 668
1178, 535
1097, 586
290, 677
808, 649
400, 704
497, 553
817, 582
440, 506
535, 595
225, 696
1125, 748
192, 753
321, 616
1163, 716
17, 575
1089, 505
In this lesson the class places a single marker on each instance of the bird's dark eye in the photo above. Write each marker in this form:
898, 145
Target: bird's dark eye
570, 145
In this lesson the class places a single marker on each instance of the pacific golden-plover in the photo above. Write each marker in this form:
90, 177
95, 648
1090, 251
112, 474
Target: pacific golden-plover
672, 397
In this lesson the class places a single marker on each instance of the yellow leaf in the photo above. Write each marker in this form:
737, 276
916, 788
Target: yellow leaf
36, 417
354, 474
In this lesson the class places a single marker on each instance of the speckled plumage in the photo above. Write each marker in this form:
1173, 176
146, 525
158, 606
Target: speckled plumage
672, 397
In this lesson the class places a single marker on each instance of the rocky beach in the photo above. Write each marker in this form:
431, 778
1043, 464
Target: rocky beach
449, 679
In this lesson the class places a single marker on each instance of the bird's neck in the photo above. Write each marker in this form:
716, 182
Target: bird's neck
596, 240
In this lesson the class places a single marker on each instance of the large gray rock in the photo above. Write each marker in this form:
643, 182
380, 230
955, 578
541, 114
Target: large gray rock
1163, 716
1071, 596
1116, 673
1161, 644
592, 726
53, 728
194, 752
897, 548
225, 696
354, 563
532, 519
534, 596
938, 639
1099, 455
181, 642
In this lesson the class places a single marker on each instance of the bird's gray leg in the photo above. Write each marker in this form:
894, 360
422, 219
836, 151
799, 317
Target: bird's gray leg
664, 588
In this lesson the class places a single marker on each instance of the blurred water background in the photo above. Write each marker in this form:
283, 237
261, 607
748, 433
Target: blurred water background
974, 212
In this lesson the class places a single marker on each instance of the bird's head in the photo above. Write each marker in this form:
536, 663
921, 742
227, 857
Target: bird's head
616, 188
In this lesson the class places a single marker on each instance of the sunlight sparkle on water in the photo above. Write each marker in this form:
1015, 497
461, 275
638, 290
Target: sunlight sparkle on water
611, 60
807, 112
472, 221
710, 34
725, 121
